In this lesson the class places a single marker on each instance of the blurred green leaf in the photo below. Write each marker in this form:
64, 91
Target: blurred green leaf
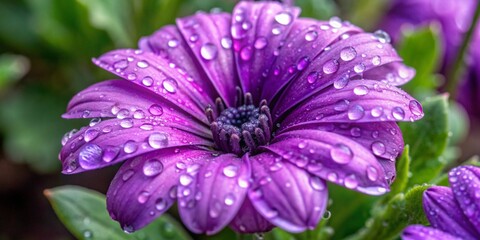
401, 211
403, 169
420, 49
318, 9
428, 139
458, 122
85, 215
363, 13
12, 68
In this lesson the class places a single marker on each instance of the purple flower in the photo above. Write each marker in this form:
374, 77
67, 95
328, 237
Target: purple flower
454, 213
454, 18
242, 119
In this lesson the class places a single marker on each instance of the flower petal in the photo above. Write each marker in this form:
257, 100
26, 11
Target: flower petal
444, 213
121, 99
156, 74
287, 196
307, 39
333, 157
258, 30
146, 186
419, 232
359, 101
248, 220
114, 140
359, 56
465, 182
211, 193
214, 55
168, 43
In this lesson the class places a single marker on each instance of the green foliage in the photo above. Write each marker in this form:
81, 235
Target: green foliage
84, 214
318, 9
428, 139
12, 68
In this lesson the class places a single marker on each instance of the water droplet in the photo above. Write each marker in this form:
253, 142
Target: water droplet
138, 114
327, 215
376, 112
317, 183
186, 179
120, 65
376, 60
284, 18
208, 51
359, 68
312, 77
246, 53
398, 113
142, 64
378, 148
303, 63
152, 167
230, 170
341, 153
90, 156
355, 112
123, 113
332, 176
330, 66
127, 175
130, 147
126, 123
226, 42
158, 140
311, 35
415, 107
173, 43
147, 81
351, 182
155, 110
243, 183
360, 90
372, 173
160, 204
193, 38
94, 122
341, 105
110, 153
335, 22
348, 54
260, 43
143, 197
90, 134
170, 85
229, 199
87, 234
382, 36
237, 31
131, 76
356, 132
341, 82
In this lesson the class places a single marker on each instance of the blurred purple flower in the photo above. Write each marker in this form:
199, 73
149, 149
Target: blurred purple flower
454, 213
242, 119
454, 17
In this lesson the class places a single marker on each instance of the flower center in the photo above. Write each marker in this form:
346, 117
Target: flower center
240, 129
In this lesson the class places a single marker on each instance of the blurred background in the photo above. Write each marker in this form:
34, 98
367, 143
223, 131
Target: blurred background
46, 48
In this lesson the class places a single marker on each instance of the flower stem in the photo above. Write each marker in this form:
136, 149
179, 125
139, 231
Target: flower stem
456, 69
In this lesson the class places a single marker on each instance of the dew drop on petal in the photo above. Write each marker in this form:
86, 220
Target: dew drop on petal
356, 132
330, 66
127, 175
356, 112
208, 51
284, 18
131, 76
170, 85
341, 153
317, 183
398, 113
378, 148
312, 77
230, 170
110, 154
90, 134
142, 64
348, 54
226, 42
372, 173
130, 147
173, 43
152, 167
351, 182
246, 53
158, 140
359, 68
376, 112
143, 197
335, 22
341, 105
155, 110
382, 36
186, 179
160, 204
147, 81
376, 60
122, 64
360, 90
260, 43
415, 107
126, 123
90, 156
229, 199
341, 82
311, 35
303, 63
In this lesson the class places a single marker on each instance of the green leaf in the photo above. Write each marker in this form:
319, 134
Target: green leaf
319, 9
84, 213
12, 68
403, 168
401, 211
458, 122
421, 50
428, 139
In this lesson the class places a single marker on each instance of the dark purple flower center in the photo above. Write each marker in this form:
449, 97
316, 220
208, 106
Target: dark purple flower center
242, 128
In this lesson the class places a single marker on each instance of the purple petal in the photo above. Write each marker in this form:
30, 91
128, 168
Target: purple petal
168, 43
444, 213
359, 101
258, 30
114, 140
156, 74
465, 182
215, 57
359, 56
248, 220
306, 40
211, 193
121, 99
146, 186
419, 232
332, 157
287, 196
